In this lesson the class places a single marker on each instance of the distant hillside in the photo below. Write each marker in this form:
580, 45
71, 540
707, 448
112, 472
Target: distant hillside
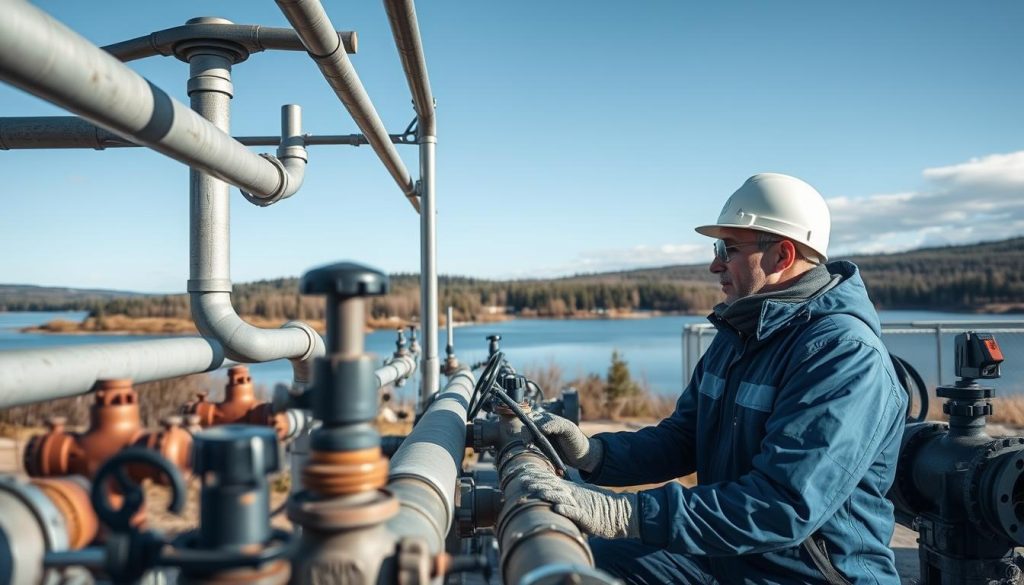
27, 297
979, 277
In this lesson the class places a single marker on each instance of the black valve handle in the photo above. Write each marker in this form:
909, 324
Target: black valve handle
116, 468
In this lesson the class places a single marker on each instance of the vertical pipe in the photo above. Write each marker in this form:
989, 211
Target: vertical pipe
938, 355
450, 347
687, 372
430, 367
210, 91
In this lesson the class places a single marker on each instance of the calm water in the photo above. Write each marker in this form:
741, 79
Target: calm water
652, 347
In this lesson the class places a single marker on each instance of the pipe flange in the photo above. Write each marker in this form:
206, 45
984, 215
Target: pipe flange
278, 193
566, 573
341, 513
516, 538
187, 49
341, 473
904, 491
1002, 486
47, 514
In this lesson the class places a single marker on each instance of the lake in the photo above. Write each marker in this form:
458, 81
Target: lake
652, 347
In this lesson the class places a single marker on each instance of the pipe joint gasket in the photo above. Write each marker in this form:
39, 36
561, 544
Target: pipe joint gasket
203, 285
278, 193
517, 538
211, 83
311, 334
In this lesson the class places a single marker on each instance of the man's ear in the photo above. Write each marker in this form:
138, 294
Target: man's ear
785, 256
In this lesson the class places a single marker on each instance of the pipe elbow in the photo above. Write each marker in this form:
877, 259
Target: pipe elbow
215, 317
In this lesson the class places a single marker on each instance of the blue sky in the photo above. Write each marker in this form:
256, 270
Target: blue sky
573, 136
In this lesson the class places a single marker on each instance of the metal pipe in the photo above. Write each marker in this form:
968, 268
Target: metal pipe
535, 541
45, 58
38, 375
209, 284
405, 29
27, 133
395, 369
254, 38
428, 271
321, 41
425, 469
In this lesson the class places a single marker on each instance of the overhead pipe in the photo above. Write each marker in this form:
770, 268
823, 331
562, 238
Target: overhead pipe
45, 58
425, 469
37, 375
322, 43
405, 29
209, 285
253, 37
37, 132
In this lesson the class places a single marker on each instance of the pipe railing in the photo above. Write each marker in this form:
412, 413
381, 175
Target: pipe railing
45, 58
405, 29
324, 46
37, 375
51, 132
253, 38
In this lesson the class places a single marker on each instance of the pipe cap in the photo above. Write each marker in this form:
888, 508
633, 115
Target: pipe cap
346, 279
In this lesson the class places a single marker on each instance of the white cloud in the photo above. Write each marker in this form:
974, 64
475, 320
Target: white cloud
981, 199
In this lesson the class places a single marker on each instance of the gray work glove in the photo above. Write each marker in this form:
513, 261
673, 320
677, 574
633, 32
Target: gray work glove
575, 448
596, 511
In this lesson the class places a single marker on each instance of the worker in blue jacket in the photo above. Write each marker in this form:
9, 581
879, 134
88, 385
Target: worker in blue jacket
792, 421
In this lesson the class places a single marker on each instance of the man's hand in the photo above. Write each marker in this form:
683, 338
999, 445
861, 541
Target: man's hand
573, 446
596, 511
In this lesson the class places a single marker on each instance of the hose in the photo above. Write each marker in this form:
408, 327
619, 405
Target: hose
912, 382
542, 441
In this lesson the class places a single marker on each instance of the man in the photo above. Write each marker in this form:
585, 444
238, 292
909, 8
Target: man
792, 421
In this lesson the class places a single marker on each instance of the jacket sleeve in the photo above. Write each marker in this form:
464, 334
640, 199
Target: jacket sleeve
839, 407
652, 454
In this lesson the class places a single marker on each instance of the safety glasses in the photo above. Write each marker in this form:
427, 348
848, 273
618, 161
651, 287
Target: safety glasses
722, 250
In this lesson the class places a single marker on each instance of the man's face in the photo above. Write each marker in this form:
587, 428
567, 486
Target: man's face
744, 274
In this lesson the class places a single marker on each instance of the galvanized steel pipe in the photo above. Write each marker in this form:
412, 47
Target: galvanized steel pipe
253, 37
406, 30
209, 284
37, 375
36, 132
425, 469
395, 369
45, 58
322, 43
431, 367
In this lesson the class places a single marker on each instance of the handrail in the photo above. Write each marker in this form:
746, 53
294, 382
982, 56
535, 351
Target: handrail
254, 38
37, 375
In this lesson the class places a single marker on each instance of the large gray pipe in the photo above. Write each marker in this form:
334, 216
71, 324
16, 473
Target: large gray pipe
425, 469
45, 58
322, 43
209, 284
252, 37
37, 375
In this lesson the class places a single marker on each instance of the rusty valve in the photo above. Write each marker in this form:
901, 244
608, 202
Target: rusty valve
114, 423
238, 407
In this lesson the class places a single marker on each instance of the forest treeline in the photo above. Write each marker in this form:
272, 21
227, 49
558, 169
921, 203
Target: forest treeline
975, 277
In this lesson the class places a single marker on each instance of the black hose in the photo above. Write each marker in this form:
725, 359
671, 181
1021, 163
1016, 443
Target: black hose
483, 385
910, 377
542, 441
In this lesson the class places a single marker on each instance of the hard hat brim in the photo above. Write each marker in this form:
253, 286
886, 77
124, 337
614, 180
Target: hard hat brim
715, 230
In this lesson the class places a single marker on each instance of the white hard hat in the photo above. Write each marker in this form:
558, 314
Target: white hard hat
777, 204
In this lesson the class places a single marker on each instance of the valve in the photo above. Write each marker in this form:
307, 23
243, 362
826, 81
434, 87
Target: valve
493, 345
238, 407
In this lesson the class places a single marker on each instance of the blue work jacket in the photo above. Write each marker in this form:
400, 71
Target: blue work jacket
794, 432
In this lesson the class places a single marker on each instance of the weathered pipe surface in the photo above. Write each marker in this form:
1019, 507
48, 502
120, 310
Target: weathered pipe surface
424, 471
